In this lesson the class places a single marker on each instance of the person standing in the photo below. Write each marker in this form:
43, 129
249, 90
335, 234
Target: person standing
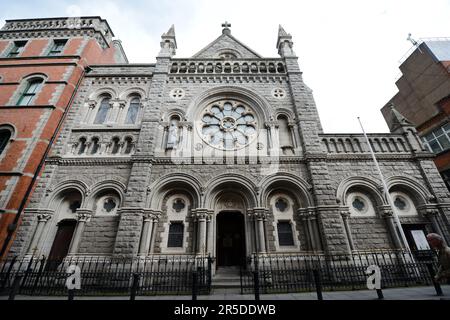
437, 243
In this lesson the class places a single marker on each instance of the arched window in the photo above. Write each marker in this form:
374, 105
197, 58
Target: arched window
133, 111
107, 202
174, 238
5, 136
128, 145
283, 209
115, 146
103, 110
82, 146
360, 205
95, 146
30, 92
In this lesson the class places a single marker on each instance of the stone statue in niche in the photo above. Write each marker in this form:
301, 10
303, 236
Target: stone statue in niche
172, 138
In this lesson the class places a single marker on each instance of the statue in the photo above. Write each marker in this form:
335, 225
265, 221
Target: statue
172, 138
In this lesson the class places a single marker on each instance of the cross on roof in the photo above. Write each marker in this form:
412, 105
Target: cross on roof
226, 24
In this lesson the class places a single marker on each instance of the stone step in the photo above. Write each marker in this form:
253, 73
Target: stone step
226, 291
226, 284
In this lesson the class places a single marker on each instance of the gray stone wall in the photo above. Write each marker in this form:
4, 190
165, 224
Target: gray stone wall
99, 236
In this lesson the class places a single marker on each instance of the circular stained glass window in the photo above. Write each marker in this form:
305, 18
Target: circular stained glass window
109, 205
228, 125
358, 204
400, 203
281, 204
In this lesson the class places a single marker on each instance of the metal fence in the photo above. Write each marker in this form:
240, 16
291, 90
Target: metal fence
152, 275
281, 273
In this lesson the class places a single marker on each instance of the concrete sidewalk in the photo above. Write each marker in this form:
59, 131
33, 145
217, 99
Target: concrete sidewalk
409, 293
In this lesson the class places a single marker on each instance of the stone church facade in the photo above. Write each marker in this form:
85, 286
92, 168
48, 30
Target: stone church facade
223, 154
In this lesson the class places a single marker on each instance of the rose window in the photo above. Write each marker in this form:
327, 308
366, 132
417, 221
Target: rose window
228, 125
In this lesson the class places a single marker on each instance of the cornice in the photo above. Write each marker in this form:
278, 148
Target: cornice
52, 32
88, 161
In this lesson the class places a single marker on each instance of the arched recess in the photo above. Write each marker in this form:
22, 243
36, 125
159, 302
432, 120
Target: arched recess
361, 183
77, 185
174, 181
173, 112
113, 186
53, 236
416, 191
95, 96
258, 103
291, 183
11, 128
135, 91
230, 183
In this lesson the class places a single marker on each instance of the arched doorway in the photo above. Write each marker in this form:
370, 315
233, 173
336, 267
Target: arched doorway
230, 243
61, 244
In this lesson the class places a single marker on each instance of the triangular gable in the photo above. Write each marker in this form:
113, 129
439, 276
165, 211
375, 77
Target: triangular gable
226, 43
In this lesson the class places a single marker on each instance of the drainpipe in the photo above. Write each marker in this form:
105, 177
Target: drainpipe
13, 226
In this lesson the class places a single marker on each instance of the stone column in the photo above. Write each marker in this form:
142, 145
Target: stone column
274, 146
260, 216
312, 223
118, 115
345, 214
83, 216
386, 212
431, 214
91, 106
201, 216
210, 234
150, 218
303, 213
43, 218
112, 112
291, 128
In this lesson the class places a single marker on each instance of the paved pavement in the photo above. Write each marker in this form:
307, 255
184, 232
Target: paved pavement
410, 293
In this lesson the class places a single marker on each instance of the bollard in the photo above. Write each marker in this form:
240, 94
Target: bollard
15, 287
316, 274
256, 284
437, 286
380, 294
194, 285
135, 286
71, 294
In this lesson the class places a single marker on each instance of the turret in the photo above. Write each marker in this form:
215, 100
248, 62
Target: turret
168, 43
284, 43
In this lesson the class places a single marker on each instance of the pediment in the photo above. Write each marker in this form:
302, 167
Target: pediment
227, 45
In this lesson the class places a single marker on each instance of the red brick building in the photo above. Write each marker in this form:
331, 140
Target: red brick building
42, 62
423, 98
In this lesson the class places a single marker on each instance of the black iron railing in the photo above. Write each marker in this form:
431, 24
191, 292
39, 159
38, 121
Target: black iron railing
278, 273
152, 275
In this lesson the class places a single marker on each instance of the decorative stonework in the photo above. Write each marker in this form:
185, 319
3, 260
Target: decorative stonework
278, 93
177, 93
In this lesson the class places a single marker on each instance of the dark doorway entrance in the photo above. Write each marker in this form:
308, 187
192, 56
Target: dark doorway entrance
230, 244
61, 244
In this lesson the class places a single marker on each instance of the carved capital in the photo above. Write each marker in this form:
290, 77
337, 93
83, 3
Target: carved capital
45, 216
91, 104
201, 213
260, 213
430, 212
344, 212
84, 215
152, 215
386, 211
307, 213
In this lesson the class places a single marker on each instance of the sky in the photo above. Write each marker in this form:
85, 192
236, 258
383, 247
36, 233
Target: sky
349, 50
